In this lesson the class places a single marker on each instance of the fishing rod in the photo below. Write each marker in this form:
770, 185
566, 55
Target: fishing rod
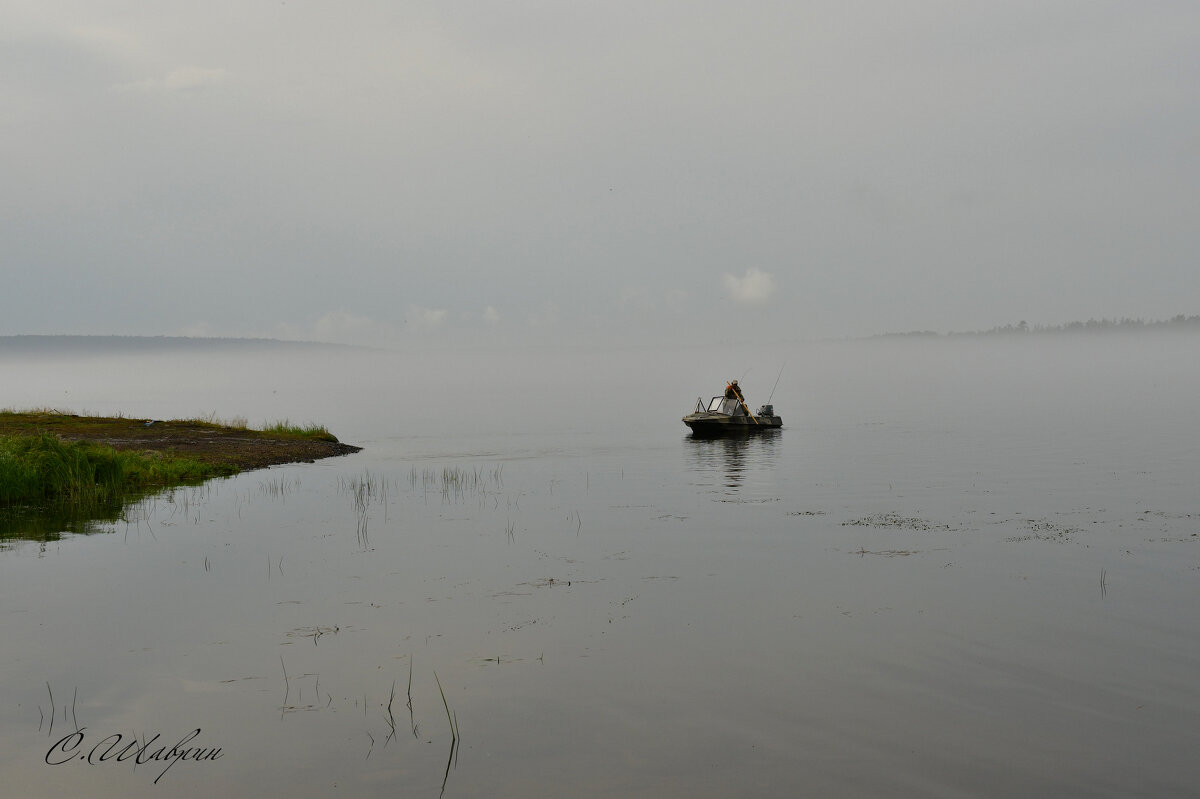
776, 383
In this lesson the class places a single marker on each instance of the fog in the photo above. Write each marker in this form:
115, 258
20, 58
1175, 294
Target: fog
382, 174
1037, 380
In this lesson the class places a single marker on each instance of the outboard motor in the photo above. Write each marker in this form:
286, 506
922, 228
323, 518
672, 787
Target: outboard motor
766, 410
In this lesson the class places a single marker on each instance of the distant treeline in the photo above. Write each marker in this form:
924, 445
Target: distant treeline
1023, 328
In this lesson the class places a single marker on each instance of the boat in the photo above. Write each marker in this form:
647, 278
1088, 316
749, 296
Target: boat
724, 416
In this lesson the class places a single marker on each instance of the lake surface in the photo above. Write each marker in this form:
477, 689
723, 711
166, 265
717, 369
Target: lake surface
964, 567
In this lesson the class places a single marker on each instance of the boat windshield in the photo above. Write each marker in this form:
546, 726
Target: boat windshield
723, 405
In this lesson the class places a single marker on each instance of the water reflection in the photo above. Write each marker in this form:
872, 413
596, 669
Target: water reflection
51, 521
725, 463
45, 524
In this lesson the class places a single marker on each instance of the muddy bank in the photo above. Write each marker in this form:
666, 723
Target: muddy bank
211, 443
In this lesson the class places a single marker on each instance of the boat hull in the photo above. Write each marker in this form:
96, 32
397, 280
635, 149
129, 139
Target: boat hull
717, 424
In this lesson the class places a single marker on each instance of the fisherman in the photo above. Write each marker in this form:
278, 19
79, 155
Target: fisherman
733, 392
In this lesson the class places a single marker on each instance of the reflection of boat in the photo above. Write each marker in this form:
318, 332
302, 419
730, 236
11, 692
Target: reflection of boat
730, 416
730, 464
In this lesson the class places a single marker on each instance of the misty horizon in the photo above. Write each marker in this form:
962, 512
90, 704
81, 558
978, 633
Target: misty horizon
1179, 323
388, 175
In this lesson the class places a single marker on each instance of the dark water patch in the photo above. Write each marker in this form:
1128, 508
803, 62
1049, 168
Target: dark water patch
1042, 530
887, 553
894, 521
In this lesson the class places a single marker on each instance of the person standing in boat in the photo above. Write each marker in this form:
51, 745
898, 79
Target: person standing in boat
733, 392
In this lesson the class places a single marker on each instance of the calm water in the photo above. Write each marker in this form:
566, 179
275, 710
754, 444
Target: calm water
963, 568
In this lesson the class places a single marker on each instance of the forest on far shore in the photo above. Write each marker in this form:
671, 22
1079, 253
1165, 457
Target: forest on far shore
1123, 325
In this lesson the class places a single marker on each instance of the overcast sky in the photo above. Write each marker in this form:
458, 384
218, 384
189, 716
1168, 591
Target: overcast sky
379, 172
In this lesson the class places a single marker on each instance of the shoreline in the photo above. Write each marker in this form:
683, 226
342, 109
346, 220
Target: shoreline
217, 445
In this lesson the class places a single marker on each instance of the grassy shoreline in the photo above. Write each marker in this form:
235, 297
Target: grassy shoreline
46, 468
52, 456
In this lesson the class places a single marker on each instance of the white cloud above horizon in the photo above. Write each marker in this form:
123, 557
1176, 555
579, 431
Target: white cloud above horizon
339, 327
422, 319
753, 288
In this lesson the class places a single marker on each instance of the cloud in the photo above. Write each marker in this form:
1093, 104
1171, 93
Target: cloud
340, 327
491, 315
184, 79
346, 327
755, 288
419, 318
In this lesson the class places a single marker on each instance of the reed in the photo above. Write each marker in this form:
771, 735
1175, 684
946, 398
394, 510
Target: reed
365, 490
284, 427
411, 720
236, 422
455, 483
287, 688
454, 738
389, 718
453, 719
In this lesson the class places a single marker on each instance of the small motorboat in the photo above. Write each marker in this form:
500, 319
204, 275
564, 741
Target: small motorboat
729, 416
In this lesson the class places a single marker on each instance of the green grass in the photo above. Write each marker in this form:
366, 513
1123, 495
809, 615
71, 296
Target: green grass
284, 427
236, 422
39, 418
44, 468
